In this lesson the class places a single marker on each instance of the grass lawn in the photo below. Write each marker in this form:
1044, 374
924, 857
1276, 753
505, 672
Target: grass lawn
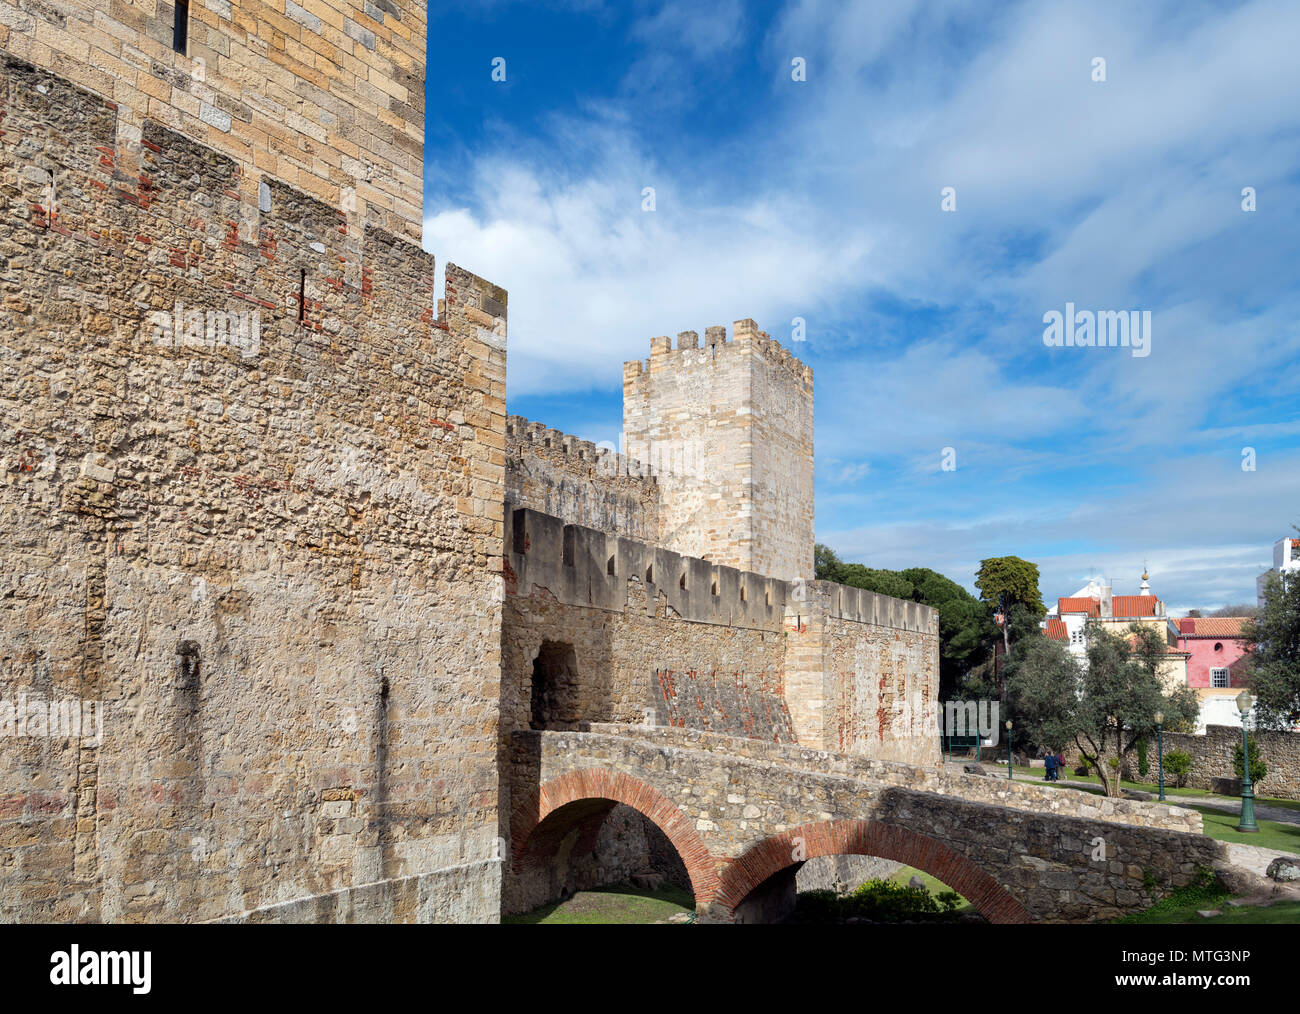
610, 905
1277, 913
1272, 835
1154, 789
1182, 905
935, 887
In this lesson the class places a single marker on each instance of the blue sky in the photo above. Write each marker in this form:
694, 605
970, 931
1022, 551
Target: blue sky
821, 199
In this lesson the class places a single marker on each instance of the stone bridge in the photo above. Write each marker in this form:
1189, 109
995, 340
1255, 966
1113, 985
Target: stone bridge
744, 814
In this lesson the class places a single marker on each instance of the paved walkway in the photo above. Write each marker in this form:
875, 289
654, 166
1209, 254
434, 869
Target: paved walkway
1281, 814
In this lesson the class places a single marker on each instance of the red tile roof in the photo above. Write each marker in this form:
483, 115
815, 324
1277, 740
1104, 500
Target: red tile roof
1057, 631
1133, 605
1081, 605
1211, 626
1134, 644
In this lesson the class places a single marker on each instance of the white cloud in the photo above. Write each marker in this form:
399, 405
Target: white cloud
592, 277
1114, 195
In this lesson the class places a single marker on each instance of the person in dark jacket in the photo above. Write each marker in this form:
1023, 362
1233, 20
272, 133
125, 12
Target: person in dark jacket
1049, 766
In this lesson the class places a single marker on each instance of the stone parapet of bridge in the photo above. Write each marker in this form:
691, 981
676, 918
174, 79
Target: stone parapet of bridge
978, 788
744, 817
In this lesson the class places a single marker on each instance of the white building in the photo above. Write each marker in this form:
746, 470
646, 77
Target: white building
1286, 560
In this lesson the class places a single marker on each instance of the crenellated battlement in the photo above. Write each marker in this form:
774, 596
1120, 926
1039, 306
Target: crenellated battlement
540, 438
747, 340
585, 567
327, 469
735, 421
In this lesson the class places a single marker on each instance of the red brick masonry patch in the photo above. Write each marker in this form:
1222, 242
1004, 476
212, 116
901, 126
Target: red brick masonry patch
592, 785
869, 838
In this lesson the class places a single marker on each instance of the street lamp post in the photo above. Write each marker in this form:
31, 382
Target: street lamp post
1244, 703
1008, 749
1160, 750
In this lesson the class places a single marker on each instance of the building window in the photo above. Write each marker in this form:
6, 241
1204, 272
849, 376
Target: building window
181, 26
1219, 677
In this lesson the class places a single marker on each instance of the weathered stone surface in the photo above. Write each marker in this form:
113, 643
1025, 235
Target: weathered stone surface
728, 431
843, 873
648, 635
1012, 861
294, 91
266, 558
1284, 869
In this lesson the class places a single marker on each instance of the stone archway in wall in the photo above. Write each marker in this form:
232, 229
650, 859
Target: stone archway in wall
870, 838
566, 817
553, 698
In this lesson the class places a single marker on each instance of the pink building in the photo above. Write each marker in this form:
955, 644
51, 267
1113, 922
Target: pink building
1215, 645
1215, 666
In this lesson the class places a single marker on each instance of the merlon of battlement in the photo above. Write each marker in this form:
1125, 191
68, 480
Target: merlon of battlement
606, 461
747, 338
585, 567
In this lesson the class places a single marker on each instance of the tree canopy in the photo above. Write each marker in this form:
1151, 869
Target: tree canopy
1105, 706
1009, 579
1274, 662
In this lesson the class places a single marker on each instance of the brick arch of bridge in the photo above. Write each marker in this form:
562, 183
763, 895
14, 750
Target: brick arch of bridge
868, 838
582, 799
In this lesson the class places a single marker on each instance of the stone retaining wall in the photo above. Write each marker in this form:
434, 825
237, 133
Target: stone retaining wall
1212, 758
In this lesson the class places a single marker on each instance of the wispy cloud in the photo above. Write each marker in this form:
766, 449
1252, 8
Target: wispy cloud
776, 198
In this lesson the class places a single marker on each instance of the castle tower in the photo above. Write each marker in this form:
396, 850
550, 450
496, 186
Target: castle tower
326, 96
223, 500
727, 429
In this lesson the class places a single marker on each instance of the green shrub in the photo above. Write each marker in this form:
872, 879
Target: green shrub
1178, 764
1258, 769
879, 901
818, 906
1144, 762
886, 901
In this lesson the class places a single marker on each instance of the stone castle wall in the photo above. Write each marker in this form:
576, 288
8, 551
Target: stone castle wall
326, 96
639, 636
710, 647
578, 482
647, 632
728, 430
862, 672
270, 562
1212, 756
